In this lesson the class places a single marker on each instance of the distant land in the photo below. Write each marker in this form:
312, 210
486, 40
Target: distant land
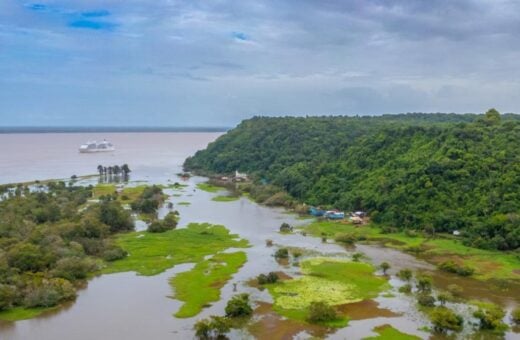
82, 129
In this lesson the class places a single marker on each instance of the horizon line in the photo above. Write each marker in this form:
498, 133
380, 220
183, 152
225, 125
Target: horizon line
122, 129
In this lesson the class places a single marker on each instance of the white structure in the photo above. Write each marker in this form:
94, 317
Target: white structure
93, 146
239, 176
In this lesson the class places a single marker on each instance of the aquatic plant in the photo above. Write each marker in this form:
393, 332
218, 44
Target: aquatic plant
238, 306
320, 312
445, 319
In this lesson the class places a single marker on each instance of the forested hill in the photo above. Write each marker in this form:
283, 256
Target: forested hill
443, 171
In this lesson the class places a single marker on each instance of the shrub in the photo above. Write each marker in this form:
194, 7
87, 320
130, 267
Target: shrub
238, 306
114, 253
455, 290
443, 297
424, 283
405, 274
490, 317
213, 328
170, 220
384, 267
406, 289
7, 296
281, 253
452, 267
515, 316
272, 277
157, 227
321, 312
426, 300
357, 256
445, 319
269, 243
49, 293
74, 268
286, 228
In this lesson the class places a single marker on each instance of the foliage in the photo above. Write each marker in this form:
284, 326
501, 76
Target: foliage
320, 312
490, 317
405, 274
435, 172
213, 328
445, 319
201, 285
347, 238
51, 237
285, 228
384, 267
225, 198
171, 219
452, 267
149, 200
281, 253
238, 306
515, 316
424, 283
406, 289
157, 227
263, 279
425, 300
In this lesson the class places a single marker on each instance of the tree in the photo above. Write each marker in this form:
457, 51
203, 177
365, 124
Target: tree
426, 300
213, 328
405, 274
356, 257
424, 283
443, 297
445, 319
170, 220
281, 253
384, 267
100, 169
490, 317
320, 311
238, 306
515, 316
285, 228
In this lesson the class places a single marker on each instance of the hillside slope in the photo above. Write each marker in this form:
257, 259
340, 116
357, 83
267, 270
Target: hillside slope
448, 172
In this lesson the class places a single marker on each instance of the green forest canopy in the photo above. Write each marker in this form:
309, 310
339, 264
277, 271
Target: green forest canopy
443, 171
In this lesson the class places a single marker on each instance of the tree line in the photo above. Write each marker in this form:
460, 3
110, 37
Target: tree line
435, 172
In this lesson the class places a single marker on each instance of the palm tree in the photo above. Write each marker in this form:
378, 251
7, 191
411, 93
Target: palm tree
100, 169
117, 169
125, 169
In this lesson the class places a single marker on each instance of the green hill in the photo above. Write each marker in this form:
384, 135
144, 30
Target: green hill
443, 171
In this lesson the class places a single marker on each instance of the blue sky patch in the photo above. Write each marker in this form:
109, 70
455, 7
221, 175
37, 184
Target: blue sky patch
240, 36
95, 13
93, 25
37, 7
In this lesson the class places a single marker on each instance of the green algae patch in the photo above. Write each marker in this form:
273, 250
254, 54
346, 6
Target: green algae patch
103, 190
331, 280
201, 285
225, 198
153, 253
209, 187
184, 203
387, 332
20, 313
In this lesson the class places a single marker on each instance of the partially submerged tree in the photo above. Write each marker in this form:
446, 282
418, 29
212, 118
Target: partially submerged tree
238, 306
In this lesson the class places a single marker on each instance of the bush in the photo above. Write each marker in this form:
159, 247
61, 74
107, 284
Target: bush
74, 268
281, 253
238, 306
445, 319
405, 274
286, 228
114, 253
452, 267
7, 296
384, 267
455, 290
406, 289
321, 312
157, 227
213, 328
272, 277
357, 256
424, 283
490, 317
515, 316
49, 293
170, 220
426, 300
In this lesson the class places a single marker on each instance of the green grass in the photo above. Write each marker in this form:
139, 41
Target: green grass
184, 203
331, 280
132, 193
387, 332
20, 313
488, 263
103, 190
201, 285
225, 198
153, 253
209, 188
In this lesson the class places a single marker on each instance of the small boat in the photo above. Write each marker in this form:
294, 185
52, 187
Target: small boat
334, 215
93, 146
316, 211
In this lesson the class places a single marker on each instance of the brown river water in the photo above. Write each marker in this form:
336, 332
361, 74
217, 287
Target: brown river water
128, 306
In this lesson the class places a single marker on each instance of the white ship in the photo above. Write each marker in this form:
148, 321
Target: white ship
93, 146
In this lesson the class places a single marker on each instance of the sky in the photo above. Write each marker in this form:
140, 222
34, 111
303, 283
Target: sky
216, 62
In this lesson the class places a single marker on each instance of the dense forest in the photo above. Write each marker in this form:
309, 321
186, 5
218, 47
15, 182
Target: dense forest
51, 240
440, 172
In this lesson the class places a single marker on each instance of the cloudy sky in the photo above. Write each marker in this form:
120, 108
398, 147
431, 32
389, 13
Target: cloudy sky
215, 62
